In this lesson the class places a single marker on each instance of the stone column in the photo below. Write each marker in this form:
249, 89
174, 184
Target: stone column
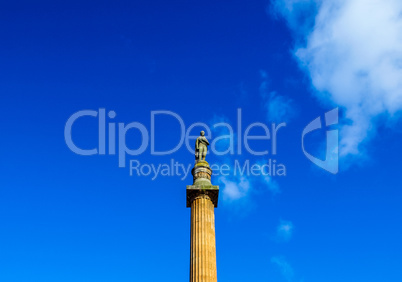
202, 197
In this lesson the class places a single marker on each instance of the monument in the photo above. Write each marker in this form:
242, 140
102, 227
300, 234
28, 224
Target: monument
202, 198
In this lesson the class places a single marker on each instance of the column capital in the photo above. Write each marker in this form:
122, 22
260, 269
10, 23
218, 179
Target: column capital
209, 190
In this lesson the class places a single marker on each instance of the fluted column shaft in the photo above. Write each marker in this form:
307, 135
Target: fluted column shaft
203, 250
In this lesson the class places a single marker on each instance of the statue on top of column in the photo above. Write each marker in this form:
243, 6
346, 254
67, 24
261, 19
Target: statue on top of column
201, 147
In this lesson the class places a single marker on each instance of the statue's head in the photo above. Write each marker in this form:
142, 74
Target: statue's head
202, 133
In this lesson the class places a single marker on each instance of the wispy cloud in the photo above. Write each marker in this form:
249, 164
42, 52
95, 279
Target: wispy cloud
284, 267
278, 108
224, 136
234, 189
352, 51
284, 231
236, 185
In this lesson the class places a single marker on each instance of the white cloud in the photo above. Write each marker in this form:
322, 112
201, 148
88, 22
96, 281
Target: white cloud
352, 51
284, 231
236, 186
224, 138
284, 267
238, 183
271, 184
234, 189
279, 108
299, 14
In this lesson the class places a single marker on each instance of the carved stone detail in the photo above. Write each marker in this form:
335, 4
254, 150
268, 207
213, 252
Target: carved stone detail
205, 191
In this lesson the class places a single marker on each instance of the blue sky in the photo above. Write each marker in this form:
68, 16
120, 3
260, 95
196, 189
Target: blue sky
69, 217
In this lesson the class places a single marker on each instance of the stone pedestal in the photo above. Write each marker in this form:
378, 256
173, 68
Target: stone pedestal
202, 197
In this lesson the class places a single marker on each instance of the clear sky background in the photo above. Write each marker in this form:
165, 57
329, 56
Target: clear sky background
67, 217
